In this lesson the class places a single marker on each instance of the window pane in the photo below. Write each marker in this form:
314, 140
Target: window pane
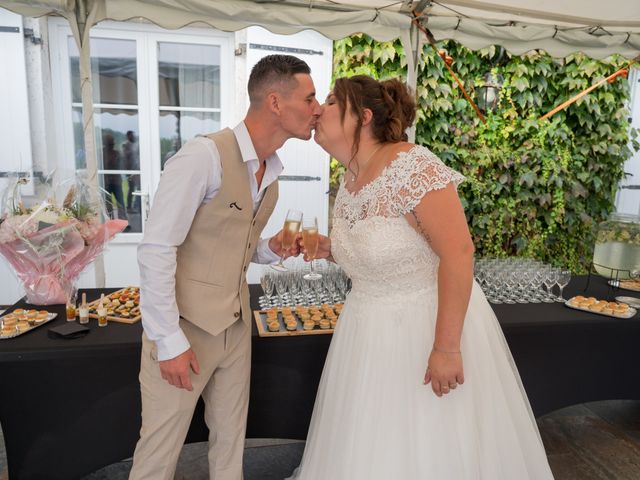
116, 139
189, 75
78, 138
113, 69
114, 196
176, 128
133, 204
120, 201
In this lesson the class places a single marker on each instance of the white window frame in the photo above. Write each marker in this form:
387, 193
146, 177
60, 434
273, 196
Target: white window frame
146, 36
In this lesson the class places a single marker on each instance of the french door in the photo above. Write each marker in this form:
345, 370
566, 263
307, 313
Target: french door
153, 90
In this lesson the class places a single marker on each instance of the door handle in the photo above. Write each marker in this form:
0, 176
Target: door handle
144, 199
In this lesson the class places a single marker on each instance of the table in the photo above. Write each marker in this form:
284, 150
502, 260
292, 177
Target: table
566, 357
69, 407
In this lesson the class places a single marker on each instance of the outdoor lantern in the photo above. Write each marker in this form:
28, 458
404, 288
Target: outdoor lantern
488, 94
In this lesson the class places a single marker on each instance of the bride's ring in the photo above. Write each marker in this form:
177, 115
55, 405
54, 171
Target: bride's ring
445, 387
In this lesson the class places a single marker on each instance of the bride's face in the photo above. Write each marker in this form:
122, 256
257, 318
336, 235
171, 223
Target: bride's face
331, 132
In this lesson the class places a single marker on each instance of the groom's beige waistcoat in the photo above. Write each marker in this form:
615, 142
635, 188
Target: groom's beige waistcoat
211, 286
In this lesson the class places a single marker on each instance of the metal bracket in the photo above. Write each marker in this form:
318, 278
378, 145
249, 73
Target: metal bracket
241, 50
276, 48
28, 33
299, 178
9, 29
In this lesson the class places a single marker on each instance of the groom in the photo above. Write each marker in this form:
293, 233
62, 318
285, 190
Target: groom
215, 196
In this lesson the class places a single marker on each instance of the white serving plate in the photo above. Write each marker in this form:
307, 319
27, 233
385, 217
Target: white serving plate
628, 314
631, 301
17, 333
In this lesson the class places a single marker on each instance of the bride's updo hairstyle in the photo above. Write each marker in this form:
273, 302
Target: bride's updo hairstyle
390, 101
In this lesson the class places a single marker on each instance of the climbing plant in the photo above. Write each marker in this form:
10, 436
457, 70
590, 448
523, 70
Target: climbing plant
534, 188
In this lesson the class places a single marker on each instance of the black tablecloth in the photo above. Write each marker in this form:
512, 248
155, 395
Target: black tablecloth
69, 407
567, 356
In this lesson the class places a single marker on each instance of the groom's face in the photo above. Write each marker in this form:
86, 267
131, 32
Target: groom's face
299, 108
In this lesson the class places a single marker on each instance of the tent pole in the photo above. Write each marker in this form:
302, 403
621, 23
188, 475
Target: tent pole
411, 43
623, 72
81, 26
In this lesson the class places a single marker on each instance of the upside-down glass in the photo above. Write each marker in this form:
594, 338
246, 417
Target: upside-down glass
289, 231
266, 281
550, 278
281, 288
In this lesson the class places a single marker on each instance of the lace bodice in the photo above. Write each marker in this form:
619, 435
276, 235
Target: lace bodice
371, 238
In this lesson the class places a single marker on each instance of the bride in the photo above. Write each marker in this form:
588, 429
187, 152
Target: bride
407, 393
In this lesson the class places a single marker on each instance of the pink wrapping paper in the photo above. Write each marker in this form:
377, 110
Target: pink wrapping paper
49, 261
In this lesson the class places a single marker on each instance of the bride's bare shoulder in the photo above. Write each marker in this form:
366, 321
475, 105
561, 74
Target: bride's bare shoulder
401, 147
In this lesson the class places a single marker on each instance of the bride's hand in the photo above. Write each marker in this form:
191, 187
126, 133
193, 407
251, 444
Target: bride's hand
324, 248
444, 371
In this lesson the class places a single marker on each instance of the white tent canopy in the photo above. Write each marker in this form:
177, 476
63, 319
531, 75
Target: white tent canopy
560, 27
596, 28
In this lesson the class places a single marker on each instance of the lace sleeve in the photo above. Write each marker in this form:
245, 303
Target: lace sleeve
418, 172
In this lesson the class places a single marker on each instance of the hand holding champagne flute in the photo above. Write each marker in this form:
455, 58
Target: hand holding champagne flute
311, 238
289, 231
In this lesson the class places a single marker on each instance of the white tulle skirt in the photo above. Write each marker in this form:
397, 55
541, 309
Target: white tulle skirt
375, 420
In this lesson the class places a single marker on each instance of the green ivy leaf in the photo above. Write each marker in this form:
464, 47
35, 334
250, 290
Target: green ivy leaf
521, 84
527, 178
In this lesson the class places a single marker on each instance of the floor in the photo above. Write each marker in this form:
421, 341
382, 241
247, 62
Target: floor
594, 441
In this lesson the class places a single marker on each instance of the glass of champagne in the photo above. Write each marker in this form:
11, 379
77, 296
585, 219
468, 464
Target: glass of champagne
311, 239
289, 231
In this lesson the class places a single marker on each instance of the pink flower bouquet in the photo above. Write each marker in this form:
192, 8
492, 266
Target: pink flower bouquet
48, 245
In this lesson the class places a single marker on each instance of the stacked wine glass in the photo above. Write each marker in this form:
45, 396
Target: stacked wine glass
291, 288
520, 280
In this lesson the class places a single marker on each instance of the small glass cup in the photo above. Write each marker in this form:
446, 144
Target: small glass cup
71, 305
102, 317
102, 312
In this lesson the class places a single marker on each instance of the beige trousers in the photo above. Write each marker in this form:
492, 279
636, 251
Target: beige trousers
223, 382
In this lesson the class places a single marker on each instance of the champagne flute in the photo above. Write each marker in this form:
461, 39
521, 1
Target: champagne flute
289, 231
281, 288
564, 276
550, 278
266, 281
311, 239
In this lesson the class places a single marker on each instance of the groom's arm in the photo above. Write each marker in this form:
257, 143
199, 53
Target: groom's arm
188, 178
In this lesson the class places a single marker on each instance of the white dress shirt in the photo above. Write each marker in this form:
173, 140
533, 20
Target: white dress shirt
191, 178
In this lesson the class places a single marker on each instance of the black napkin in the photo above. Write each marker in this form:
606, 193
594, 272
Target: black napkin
68, 331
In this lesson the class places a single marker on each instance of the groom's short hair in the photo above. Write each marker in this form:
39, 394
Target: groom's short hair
274, 72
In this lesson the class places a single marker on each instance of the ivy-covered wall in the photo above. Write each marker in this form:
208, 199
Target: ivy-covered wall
534, 188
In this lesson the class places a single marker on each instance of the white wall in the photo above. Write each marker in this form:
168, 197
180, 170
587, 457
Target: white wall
15, 135
300, 158
628, 199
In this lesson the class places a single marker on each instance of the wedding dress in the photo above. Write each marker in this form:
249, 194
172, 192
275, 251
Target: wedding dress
373, 418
